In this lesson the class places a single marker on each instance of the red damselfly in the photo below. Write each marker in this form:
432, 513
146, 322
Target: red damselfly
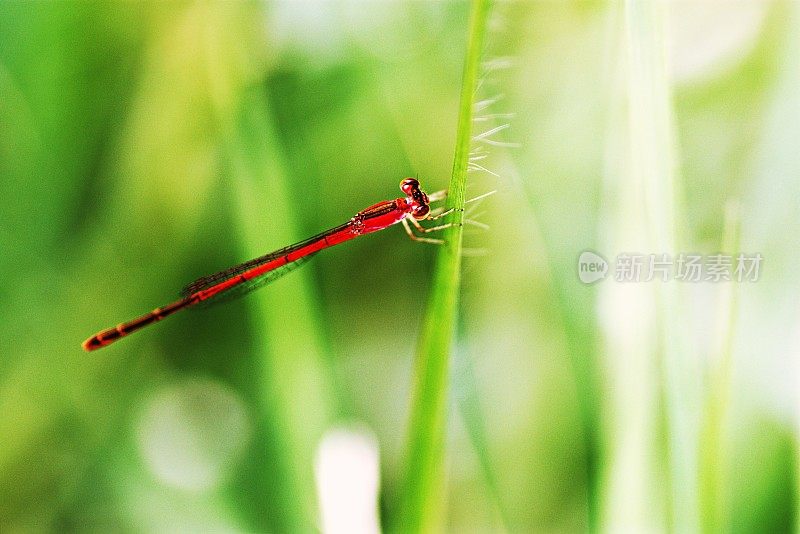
408, 210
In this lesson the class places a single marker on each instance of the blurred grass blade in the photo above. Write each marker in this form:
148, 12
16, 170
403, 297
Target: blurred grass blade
421, 507
715, 450
647, 345
293, 380
468, 401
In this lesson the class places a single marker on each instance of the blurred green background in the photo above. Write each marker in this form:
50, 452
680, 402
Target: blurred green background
145, 144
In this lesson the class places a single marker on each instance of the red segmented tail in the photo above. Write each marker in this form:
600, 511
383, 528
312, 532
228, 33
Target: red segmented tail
109, 336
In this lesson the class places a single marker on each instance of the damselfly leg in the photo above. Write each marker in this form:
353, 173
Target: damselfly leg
438, 213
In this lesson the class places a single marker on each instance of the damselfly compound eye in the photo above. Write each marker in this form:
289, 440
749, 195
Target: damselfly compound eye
409, 185
421, 212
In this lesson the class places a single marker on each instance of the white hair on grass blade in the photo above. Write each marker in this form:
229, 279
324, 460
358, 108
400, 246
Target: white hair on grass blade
480, 105
493, 131
493, 116
347, 474
477, 200
472, 166
485, 137
490, 66
477, 224
498, 63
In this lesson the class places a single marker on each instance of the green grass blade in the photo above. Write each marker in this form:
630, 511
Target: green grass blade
421, 499
291, 376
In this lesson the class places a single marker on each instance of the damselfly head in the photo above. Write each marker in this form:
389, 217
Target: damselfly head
415, 197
